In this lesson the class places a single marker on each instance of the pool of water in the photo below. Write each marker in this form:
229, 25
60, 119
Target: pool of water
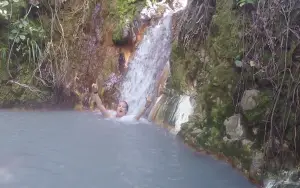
80, 150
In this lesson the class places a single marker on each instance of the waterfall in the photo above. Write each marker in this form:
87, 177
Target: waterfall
149, 60
183, 111
147, 63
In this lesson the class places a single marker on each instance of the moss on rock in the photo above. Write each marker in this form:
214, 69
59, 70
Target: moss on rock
184, 68
118, 38
23, 91
224, 39
216, 89
122, 13
263, 103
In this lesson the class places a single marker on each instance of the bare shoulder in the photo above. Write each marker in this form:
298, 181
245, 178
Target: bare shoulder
112, 113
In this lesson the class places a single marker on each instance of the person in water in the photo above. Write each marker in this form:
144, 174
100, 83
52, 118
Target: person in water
122, 108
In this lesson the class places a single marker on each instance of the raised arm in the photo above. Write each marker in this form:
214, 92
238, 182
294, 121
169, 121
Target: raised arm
96, 98
143, 110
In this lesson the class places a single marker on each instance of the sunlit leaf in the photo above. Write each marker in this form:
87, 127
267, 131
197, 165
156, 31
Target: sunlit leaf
17, 40
22, 37
24, 22
4, 3
242, 4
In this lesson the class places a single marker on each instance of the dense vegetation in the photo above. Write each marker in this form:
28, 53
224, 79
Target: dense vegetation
21, 47
223, 49
122, 14
42, 42
227, 48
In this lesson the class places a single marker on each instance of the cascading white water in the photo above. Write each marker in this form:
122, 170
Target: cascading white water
184, 110
148, 61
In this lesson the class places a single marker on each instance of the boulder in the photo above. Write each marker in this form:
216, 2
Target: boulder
248, 101
234, 127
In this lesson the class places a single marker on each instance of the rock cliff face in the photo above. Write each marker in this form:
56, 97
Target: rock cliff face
76, 50
78, 46
242, 62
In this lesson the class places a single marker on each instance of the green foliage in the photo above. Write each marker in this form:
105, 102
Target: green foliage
9, 7
11, 94
122, 13
27, 38
216, 100
21, 43
117, 36
125, 9
184, 66
255, 115
224, 41
177, 69
216, 83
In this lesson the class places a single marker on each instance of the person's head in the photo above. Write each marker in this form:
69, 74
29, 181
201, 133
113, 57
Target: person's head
122, 109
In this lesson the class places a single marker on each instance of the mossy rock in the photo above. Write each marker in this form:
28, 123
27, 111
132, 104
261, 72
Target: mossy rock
224, 41
13, 93
118, 37
263, 104
184, 65
123, 13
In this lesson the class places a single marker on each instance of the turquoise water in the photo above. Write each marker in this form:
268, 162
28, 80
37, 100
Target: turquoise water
81, 150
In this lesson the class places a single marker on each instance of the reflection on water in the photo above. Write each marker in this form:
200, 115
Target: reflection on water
73, 149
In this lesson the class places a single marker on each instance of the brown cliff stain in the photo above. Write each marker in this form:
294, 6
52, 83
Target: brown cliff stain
129, 49
92, 56
85, 36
